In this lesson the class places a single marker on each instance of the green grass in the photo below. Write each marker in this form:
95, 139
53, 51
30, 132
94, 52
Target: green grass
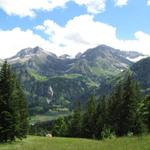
44, 143
49, 116
72, 76
37, 76
68, 76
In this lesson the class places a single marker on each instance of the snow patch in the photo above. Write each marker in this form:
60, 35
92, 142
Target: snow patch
137, 58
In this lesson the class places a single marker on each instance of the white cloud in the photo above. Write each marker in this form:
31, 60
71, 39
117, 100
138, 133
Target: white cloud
77, 35
93, 6
25, 8
120, 3
141, 43
14, 40
148, 2
83, 32
29, 8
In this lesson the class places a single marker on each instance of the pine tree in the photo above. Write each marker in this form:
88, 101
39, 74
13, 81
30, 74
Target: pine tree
128, 107
114, 108
60, 127
6, 109
124, 114
149, 114
146, 111
23, 118
76, 122
101, 117
89, 119
10, 106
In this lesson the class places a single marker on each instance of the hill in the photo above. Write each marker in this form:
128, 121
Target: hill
43, 143
141, 72
52, 82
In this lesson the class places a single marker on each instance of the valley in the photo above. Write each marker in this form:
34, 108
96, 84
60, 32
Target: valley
53, 83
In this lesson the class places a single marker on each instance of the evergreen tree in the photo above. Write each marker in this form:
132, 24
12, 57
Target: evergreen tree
101, 117
76, 122
148, 108
23, 114
10, 106
124, 112
60, 127
114, 108
129, 121
6, 110
146, 111
89, 119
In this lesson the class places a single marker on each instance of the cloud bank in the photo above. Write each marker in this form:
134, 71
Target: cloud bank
29, 8
79, 34
14, 40
83, 32
25, 8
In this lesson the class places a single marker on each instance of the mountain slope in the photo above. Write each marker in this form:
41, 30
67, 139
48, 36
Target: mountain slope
141, 72
50, 81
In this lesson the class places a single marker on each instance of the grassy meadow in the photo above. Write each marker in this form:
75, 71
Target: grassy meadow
55, 143
52, 115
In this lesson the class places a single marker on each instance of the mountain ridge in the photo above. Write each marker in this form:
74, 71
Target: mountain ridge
70, 79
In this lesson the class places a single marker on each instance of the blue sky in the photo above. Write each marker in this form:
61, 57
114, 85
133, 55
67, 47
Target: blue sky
72, 26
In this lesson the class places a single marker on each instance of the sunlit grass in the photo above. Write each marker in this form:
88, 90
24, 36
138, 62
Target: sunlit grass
44, 143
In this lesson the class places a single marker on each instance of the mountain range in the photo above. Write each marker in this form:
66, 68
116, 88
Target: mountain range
52, 82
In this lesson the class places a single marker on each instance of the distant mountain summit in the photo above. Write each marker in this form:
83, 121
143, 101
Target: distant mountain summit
102, 51
104, 60
30, 53
105, 51
65, 56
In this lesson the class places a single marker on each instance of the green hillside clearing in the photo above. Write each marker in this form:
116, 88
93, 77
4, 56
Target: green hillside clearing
45, 143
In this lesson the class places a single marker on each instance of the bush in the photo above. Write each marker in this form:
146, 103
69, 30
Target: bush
107, 133
130, 134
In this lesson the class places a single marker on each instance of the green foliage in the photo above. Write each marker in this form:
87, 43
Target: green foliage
13, 108
89, 119
60, 127
101, 117
124, 106
107, 133
147, 110
121, 113
76, 122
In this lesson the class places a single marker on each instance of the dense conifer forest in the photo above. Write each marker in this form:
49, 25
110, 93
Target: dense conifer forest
13, 107
124, 112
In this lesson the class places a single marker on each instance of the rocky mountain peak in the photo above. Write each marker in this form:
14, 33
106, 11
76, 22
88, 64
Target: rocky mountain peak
29, 51
78, 55
65, 56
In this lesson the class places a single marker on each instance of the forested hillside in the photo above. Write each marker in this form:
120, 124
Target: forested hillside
52, 82
125, 112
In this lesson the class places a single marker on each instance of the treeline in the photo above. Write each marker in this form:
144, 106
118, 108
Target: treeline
122, 113
13, 107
